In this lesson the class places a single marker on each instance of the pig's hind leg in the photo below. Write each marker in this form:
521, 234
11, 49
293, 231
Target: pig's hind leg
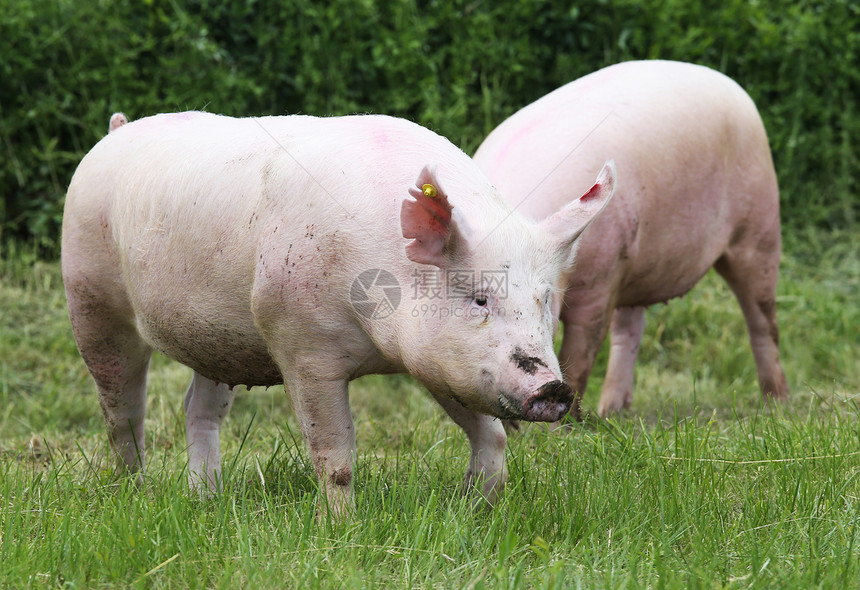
206, 405
751, 270
117, 358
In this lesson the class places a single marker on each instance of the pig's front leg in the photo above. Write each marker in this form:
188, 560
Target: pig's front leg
322, 409
487, 438
206, 405
625, 337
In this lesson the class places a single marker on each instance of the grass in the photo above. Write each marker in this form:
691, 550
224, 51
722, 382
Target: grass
698, 486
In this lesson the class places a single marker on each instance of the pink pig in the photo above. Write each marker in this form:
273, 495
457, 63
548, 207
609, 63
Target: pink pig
303, 251
696, 189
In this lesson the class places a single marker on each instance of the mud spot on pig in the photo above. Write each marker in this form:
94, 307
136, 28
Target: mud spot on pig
457, 399
528, 364
342, 477
213, 347
104, 227
768, 309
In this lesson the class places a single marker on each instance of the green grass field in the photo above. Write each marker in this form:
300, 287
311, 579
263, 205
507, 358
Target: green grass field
697, 486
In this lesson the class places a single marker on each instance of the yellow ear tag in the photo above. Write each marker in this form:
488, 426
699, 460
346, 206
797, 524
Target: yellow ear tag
429, 190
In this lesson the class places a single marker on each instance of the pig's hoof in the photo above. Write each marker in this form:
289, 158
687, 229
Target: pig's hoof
779, 398
775, 390
614, 403
202, 491
334, 511
484, 491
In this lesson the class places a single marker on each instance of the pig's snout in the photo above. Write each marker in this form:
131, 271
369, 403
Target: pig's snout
550, 403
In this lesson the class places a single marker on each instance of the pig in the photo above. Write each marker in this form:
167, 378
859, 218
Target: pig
248, 249
696, 189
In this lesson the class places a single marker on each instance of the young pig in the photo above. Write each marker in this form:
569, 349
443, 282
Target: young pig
697, 189
282, 250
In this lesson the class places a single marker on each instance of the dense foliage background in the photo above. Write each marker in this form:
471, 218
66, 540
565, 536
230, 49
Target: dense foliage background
457, 66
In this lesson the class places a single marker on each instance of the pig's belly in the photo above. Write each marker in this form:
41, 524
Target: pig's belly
222, 349
653, 284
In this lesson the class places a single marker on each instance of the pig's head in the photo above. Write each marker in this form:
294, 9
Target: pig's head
480, 328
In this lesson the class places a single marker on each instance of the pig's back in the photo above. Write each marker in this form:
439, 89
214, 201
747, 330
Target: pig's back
693, 166
215, 171
175, 218
188, 224
161, 223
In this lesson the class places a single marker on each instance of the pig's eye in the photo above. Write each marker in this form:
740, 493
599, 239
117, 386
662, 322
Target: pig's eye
547, 297
481, 300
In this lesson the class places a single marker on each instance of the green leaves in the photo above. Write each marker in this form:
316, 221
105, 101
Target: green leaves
457, 66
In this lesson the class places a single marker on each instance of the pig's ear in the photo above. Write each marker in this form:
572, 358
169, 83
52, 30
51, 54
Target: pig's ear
427, 221
568, 223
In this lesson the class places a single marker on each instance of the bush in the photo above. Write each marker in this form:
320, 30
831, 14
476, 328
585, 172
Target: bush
459, 67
